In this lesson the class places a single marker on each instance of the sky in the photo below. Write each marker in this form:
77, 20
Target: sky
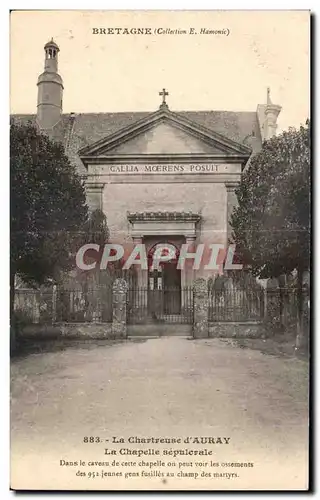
110, 73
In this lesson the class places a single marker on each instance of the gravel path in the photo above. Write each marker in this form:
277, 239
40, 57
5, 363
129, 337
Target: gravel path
163, 387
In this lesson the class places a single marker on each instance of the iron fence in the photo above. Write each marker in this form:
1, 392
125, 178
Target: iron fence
34, 305
91, 305
169, 305
236, 305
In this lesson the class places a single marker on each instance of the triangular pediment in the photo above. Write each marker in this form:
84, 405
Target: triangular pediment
165, 138
165, 133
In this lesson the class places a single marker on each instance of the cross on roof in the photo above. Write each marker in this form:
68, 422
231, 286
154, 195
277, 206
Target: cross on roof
164, 93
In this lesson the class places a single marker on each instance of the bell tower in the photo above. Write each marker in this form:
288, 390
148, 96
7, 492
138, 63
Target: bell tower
267, 116
50, 89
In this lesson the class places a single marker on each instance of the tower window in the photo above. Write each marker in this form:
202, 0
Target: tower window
51, 53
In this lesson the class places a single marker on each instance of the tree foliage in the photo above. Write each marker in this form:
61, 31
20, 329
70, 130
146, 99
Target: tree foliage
48, 207
96, 231
96, 228
271, 225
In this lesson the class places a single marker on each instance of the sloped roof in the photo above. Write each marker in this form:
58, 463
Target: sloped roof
51, 43
76, 131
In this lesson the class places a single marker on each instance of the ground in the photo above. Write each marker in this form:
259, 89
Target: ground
162, 387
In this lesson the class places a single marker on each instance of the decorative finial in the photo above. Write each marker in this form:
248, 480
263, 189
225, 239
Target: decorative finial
268, 96
164, 93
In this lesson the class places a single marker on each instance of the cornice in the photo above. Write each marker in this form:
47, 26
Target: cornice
163, 216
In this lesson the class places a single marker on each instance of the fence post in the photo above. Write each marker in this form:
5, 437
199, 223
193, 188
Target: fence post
97, 312
37, 307
273, 313
119, 313
201, 306
306, 315
54, 303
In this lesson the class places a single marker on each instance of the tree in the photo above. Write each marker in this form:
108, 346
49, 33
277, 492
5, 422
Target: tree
96, 229
48, 207
271, 225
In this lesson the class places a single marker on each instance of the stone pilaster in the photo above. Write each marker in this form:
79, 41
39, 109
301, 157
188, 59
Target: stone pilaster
142, 274
232, 202
188, 273
94, 192
190, 240
119, 307
201, 305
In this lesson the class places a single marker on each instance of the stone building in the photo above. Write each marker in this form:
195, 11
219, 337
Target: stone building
163, 176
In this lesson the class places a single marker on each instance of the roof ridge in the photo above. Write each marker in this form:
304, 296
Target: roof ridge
142, 112
151, 112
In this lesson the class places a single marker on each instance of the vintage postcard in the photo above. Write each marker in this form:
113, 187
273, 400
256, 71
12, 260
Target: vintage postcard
160, 250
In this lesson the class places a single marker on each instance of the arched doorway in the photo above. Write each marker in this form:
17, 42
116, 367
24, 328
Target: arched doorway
164, 284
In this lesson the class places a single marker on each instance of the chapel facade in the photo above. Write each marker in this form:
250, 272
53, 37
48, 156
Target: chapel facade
160, 177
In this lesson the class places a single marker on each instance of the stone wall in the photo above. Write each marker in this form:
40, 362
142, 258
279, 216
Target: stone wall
105, 331
236, 330
69, 330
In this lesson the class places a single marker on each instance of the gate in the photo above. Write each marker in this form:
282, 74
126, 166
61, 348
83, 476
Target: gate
169, 305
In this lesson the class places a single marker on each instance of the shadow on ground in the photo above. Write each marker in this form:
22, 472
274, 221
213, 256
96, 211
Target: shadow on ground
276, 346
26, 347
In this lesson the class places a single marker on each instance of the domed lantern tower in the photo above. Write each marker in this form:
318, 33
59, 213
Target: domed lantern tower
50, 89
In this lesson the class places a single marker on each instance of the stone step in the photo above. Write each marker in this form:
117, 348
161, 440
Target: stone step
156, 330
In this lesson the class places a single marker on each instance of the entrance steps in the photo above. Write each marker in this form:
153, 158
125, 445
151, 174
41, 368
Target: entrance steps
159, 330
